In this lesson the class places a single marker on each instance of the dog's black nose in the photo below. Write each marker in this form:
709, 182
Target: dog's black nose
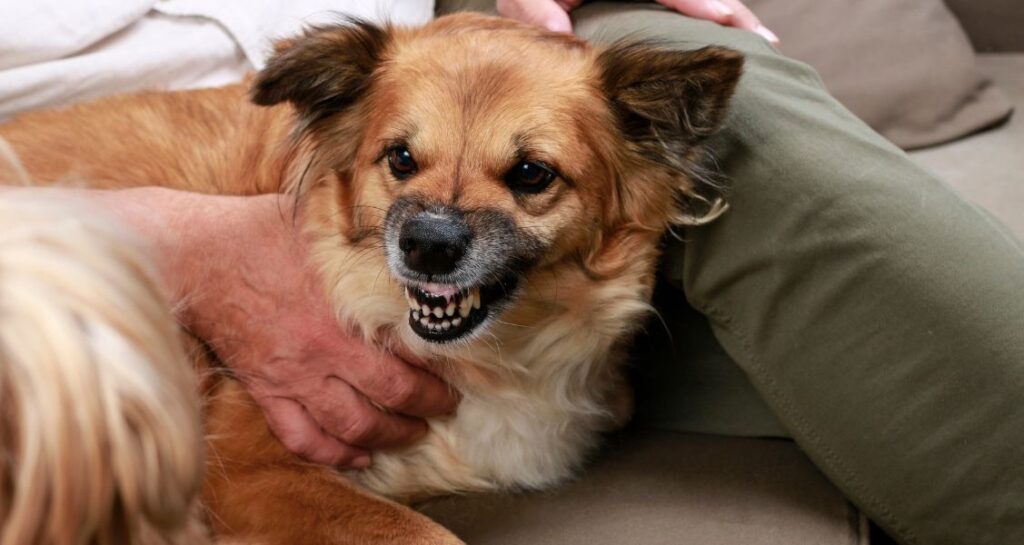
433, 244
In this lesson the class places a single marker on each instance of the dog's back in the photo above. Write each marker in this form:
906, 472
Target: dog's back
204, 140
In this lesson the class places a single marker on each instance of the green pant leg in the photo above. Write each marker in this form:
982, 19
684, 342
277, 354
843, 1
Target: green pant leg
879, 314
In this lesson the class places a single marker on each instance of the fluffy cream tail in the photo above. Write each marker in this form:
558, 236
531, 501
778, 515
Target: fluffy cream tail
100, 437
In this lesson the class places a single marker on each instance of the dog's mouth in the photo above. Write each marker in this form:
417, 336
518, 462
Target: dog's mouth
444, 312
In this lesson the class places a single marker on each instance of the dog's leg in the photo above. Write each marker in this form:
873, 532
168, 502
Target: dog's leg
258, 492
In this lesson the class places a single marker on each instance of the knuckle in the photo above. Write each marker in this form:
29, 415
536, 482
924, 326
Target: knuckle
398, 392
301, 445
357, 430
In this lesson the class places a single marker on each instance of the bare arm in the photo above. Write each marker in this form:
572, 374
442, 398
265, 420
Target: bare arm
236, 271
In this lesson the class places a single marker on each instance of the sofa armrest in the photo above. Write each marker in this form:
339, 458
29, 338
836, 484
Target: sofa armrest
993, 25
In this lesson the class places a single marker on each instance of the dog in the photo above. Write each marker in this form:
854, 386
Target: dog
515, 183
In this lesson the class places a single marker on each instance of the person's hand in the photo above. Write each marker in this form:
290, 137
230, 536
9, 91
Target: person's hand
238, 267
554, 14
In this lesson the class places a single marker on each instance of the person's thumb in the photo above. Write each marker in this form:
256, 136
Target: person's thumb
544, 13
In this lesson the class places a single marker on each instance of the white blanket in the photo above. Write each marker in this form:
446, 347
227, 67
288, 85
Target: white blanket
56, 52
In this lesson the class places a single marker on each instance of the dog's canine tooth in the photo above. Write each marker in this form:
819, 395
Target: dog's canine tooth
438, 312
456, 321
450, 311
475, 296
464, 306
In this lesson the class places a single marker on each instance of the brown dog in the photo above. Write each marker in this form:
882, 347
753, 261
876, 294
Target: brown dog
514, 182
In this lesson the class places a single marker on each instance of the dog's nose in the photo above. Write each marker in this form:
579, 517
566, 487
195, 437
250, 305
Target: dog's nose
433, 244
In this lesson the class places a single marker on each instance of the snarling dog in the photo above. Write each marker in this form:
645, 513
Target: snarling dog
514, 182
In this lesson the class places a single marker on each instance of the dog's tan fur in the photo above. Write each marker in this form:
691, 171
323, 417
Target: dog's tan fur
623, 126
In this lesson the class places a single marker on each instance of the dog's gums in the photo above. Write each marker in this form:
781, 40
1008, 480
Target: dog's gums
443, 313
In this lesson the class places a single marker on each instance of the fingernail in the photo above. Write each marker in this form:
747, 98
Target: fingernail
767, 34
361, 462
721, 8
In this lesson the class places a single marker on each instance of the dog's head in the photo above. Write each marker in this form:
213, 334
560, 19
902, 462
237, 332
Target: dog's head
475, 151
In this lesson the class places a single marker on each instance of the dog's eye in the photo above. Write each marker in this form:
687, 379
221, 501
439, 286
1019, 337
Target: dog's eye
401, 162
529, 177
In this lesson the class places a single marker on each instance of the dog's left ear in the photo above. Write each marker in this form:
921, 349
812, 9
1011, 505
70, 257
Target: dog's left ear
324, 71
668, 101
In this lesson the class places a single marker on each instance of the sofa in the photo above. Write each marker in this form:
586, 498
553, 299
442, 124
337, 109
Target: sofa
650, 486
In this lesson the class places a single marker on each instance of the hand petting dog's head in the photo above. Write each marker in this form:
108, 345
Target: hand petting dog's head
476, 151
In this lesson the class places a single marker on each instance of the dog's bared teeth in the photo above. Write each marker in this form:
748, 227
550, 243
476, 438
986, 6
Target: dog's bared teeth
446, 325
474, 294
416, 315
425, 310
438, 312
413, 305
456, 321
424, 322
464, 306
450, 310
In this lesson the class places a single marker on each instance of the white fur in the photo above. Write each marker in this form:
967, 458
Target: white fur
536, 395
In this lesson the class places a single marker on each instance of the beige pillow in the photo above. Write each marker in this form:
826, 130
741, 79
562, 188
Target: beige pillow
904, 66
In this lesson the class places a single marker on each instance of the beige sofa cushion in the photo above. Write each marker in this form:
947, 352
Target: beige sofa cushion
904, 66
664, 488
987, 168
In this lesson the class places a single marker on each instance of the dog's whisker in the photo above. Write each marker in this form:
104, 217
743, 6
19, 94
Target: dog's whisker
512, 324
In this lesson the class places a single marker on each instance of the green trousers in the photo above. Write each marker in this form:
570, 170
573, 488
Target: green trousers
878, 314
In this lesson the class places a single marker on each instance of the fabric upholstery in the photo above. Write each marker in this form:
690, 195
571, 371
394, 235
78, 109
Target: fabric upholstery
663, 488
993, 25
903, 66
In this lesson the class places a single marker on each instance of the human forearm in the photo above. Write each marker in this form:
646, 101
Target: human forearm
235, 268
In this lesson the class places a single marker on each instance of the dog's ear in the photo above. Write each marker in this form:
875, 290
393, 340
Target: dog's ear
323, 71
667, 101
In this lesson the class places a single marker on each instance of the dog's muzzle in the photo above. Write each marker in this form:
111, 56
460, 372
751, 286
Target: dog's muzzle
455, 267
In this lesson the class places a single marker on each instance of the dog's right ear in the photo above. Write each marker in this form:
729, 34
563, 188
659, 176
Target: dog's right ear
323, 71
669, 100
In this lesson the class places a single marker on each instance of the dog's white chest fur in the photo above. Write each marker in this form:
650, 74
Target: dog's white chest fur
538, 386
502, 438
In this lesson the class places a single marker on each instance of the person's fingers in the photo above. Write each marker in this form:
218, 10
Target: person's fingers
550, 14
726, 12
569, 5
400, 386
745, 19
299, 433
711, 10
349, 417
